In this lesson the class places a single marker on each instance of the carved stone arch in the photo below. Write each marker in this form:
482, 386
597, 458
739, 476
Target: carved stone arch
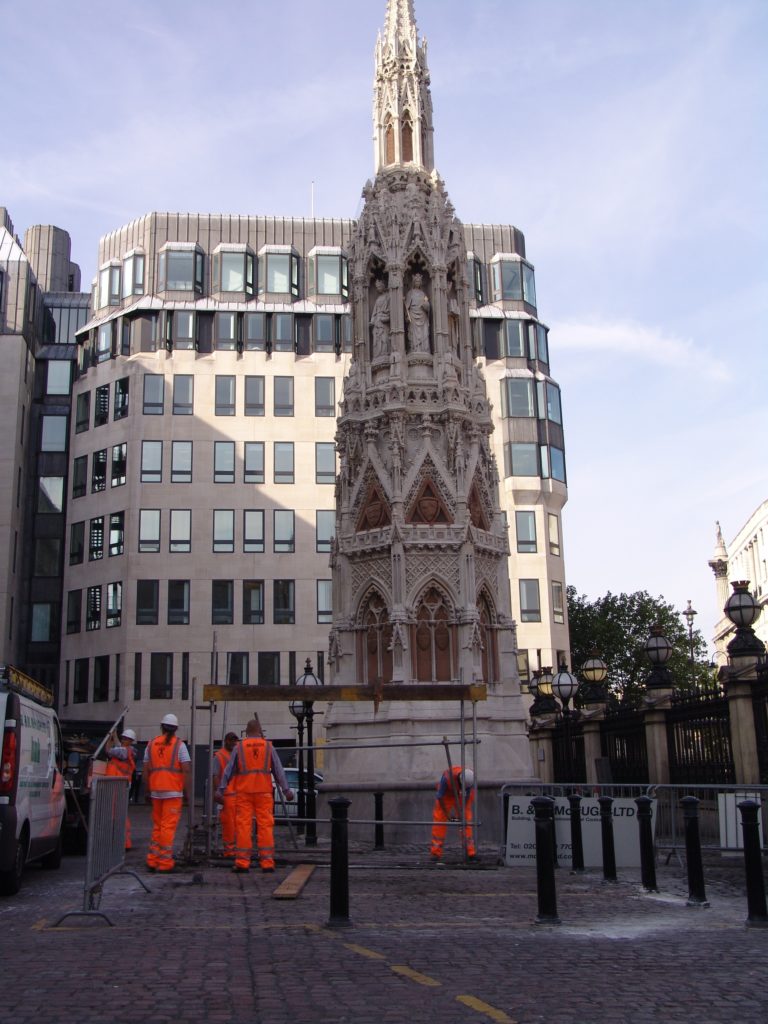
490, 650
434, 635
478, 507
428, 507
374, 638
374, 512
389, 140
428, 472
406, 138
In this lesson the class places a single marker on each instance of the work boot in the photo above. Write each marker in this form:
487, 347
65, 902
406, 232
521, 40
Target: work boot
237, 870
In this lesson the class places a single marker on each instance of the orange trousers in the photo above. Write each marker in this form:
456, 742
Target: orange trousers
227, 818
442, 811
127, 833
165, 821
247, 807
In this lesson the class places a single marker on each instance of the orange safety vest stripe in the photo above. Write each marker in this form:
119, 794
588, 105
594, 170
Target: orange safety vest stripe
222, 757
254, 759
121, 769
163, 768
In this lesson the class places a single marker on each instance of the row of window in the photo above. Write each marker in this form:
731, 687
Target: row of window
233, 271
515, 339
526, 397
530, 601
531, 459
178, 607
525, 530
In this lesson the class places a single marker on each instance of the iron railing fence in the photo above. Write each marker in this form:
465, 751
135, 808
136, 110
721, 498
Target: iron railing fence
622, 742
760, 709
699, 741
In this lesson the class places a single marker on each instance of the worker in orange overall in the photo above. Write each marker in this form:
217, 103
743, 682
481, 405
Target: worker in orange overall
121, 764
227, 816
251, 767
167, 780
456, 787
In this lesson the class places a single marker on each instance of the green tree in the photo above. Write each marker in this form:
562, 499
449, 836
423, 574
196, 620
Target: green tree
618, 625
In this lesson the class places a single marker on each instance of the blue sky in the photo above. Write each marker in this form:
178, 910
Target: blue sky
627, 141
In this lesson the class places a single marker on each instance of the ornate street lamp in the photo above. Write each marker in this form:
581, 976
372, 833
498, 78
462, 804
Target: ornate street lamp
594, 672
308, 678
564, 687
689, 614
296, 707
541, 687
745, 650
658, 650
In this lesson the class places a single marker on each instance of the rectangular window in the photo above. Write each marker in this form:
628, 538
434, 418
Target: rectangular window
74, 610
553, 462
119, 464
346, 332
521, 460
137, 676
325, 462
47, 556
76, 543
121, 398
101, 678
224, 462
154, 394
161, 677
507, 282
178, 602
80, 682
181, 462
558, 613
116, 533
517, 396
59, 377
114, 604
269, 668
53, 436
133, 275
530, 603
253, 602
222, 602
553, 528
50, 494
525, 523
225, 395
93, 608
328, 274
181, 530
41, 628
515, 340
233, 272
523, 667
283, 455
82, 412
324, 325
542, 346
223, 529
255, 332
324, 601
181, 271
183, 394
180, 328
283, 598
226, 331
147, 602
185, 675
96, 539
549, 401
104, 342
149, 529
283, 396
325, 396
253, 529
254, 396
253, 466
99, 471
237, 668
529, 287
325, 527
79, 476
284, 530
101, 406
151, 462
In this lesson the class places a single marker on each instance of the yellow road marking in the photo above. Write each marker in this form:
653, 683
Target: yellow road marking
420, 979
485, 1008
39, 925
363, 951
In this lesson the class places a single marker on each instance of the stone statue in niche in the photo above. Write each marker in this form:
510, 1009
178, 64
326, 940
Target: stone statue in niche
453, 320
380, 320
417, 315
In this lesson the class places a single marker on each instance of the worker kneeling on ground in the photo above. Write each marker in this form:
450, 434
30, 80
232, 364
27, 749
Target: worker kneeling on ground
251, 766
456, 787
121, 764
227, 817
167, 780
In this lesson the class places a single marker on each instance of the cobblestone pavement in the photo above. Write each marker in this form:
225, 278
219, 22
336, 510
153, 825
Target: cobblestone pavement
447, 944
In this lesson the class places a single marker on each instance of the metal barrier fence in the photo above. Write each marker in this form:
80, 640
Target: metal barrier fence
106, 843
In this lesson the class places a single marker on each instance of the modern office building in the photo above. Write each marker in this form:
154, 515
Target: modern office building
200, 484
745, 558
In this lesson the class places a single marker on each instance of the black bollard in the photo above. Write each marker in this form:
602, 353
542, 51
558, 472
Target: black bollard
378, 832
757, 915
606, 831
577, 847
543, 808
647, 853
697, 896
339, 863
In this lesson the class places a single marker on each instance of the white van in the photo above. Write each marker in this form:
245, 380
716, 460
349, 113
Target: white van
31, 781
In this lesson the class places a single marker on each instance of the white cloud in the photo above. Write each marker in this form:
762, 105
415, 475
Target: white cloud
639, 342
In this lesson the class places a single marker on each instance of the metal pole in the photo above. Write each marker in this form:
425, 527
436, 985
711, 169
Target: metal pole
543, 809
606, 829
647, 854
208, 789
697, 896
577, 847
191, 803
474, 769
462, 787
302, 798
378, 803
310, 835
757, 915
339, 863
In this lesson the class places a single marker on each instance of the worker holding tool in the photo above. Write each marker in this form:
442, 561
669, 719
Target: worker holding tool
121, 763
167, 782
454, 792
227, 816
251, 767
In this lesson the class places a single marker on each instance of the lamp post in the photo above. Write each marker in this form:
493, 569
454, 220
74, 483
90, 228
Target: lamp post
308, 678
296, 707
744, 650
564, 686
658, 650
595, 672
689, 614
541, 688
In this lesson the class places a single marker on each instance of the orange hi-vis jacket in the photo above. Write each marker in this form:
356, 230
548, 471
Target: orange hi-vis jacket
222, 757
118, 768
164, 772
254, 763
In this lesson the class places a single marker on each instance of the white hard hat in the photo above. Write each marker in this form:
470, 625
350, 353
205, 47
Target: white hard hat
468, 777
170, 720
128, 734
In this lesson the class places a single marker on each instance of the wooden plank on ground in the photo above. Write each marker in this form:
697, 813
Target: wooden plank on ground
291, 886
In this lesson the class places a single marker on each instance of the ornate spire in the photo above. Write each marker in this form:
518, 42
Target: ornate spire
402, 105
